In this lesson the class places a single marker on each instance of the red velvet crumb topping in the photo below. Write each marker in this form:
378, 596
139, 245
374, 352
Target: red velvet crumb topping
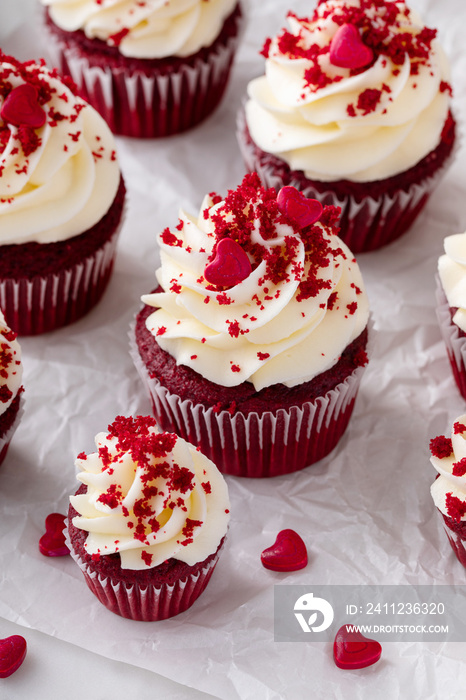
135, 435
250, 206
24, 105
459, 468
456, 508
358, 43
441, 447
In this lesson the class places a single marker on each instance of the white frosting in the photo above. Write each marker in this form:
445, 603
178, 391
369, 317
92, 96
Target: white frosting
447, 482
452, 273
257, 330
68, 183
11, 368
150, 504
310, 128
151, 29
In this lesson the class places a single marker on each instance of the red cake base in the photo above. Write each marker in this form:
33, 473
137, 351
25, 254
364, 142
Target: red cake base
148, 595
46, 286
373, 214
271, 432
147, 97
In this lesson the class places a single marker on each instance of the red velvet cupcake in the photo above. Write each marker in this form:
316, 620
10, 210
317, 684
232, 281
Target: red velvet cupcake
258, 342
354, 114
148, 523
11, 389
62, 200
150, 69
449, 489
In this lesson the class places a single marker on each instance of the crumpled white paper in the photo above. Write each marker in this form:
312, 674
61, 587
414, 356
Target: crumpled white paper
365, 512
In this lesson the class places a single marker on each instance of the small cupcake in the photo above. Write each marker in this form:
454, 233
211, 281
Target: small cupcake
11, 389
61, 200
148, 523
353, 110
449, 488
451, 305
254, 343
150, 68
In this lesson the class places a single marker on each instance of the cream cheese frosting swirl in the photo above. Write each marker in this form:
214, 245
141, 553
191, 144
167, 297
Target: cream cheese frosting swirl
148, 29
58, 168
449, 459
150, 496
11, 368
335, 120
285, 319
452, 274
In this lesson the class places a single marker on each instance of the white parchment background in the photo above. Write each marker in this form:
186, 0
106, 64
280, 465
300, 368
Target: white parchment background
365, 512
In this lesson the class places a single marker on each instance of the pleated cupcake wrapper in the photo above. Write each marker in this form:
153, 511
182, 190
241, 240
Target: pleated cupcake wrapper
47, 302
149, 603
457, 542
253, 445
455, 343
367, 224
6, 438
140, 105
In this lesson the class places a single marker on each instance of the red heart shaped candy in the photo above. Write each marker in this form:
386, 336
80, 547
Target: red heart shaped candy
52, 543
12, 654
230, 266
347, 49
298, 207
22, 108
288, 553
352, 650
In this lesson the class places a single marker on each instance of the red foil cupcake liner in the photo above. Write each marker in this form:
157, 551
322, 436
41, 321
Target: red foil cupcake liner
150, 603
253, 445
366, 223
456, 533
455, 343
5, 439
151, 102
45, 303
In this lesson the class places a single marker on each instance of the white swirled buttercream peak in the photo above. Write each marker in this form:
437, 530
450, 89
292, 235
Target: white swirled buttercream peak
449, 459
59, 172
150, 496
145, 29
11, 368
297, 301
452, 274
365, 117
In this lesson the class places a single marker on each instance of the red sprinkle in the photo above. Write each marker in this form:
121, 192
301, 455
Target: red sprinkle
22, 108
347, 49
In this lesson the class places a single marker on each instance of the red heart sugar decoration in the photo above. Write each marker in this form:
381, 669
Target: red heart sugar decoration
22, 108
52, 543
347, 49
352, 650
12, 654
288, 553
230, 266
298, 207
